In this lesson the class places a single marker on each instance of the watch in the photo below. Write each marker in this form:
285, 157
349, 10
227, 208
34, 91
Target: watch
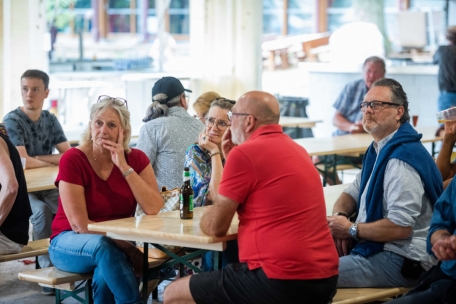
353, 231
341, 213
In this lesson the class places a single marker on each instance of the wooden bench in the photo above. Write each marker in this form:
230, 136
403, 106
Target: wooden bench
65, 282
32, 249
366, 295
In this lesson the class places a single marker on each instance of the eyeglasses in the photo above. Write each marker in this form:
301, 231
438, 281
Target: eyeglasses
221, 124
226, 99
231, 114
376, 105
116, 100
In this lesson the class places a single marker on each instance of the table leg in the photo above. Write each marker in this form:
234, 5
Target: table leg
217, 260
145, 272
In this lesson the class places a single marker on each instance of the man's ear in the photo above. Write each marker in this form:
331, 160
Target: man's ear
250, 124
46, 92
400, 113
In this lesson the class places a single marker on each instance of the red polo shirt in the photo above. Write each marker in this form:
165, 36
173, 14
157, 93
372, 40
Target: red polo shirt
282, 213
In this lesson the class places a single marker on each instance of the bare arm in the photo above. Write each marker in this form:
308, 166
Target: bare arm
55, 158
216, 220
143, 185
443, 162
216, 176
31, 162
8, 181
346, 204
74, 206
145, 189
345, 125
379, 231
216, 164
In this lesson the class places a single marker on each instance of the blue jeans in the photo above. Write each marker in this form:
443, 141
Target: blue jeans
379, 270
113, 277
229, 256
44, 206
446, 100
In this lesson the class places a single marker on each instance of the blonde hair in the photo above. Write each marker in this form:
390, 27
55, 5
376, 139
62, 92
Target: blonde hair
124, 115
204, 101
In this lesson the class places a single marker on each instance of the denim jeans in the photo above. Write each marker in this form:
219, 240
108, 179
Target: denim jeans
44, 206
446, 100
113, 277
379, 270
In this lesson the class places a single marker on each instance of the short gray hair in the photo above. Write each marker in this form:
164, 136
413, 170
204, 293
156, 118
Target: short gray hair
159, 109
375, 59
124, 116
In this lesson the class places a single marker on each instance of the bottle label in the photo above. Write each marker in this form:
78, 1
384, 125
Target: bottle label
190, 203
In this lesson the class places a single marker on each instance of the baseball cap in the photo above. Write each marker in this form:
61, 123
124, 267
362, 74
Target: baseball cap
170, 86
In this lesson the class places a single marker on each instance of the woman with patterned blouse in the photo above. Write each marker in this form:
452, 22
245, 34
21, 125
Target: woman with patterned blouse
206, 162
205, 158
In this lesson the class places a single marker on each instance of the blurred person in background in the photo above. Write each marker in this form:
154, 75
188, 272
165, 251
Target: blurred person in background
168, 131
203, 103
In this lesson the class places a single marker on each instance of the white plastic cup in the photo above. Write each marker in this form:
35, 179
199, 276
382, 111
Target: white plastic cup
446, 115
23, 161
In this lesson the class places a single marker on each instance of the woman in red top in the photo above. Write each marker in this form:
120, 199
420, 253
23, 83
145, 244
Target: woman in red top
103, 179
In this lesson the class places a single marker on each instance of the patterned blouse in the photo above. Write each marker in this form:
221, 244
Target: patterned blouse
197, 157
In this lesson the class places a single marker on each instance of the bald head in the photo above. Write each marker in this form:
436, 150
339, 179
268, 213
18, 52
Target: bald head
263, 106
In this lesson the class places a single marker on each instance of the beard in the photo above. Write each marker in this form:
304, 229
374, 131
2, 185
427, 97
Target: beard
237, 137
375, 127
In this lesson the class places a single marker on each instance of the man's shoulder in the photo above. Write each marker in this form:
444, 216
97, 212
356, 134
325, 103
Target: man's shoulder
14, 114
355, 84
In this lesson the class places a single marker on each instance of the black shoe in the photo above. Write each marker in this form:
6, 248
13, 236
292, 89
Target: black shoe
163, 274
48, 291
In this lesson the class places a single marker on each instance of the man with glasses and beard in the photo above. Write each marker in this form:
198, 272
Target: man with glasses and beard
35, 133
393, 198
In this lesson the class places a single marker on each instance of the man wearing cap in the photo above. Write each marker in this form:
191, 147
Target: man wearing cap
168, 131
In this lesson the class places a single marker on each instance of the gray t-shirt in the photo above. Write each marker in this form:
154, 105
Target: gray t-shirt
38, 138
165, 140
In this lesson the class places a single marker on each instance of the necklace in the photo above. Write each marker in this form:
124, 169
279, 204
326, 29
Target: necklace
101, 175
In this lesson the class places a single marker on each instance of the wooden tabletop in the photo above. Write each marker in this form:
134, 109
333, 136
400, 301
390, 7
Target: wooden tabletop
352, 143
41, 178
302, 122
167, 228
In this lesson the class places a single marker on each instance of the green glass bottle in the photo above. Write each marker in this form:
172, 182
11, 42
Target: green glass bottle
186, 197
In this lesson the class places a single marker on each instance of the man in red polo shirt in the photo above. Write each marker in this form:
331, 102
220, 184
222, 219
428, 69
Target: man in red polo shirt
285, 247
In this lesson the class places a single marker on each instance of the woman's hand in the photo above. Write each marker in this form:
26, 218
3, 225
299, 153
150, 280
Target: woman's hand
134, 254
117, 150
205, 143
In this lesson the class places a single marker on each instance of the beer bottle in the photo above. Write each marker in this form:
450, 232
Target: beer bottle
186, 197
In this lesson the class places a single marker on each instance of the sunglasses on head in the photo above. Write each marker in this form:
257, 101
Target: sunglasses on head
117, 100
226, 99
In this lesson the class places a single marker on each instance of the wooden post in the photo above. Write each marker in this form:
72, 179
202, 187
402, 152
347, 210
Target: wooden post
285, 18
133, 16
103, 18
404, 5
321, 22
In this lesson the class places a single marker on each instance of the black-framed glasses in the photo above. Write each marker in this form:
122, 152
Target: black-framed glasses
231, 114
221, 124
376, 105
226, 99
117, 100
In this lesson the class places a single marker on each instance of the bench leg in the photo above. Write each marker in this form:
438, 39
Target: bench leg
61, 295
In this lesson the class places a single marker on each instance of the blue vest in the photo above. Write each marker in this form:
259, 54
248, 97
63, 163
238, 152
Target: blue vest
406, 146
